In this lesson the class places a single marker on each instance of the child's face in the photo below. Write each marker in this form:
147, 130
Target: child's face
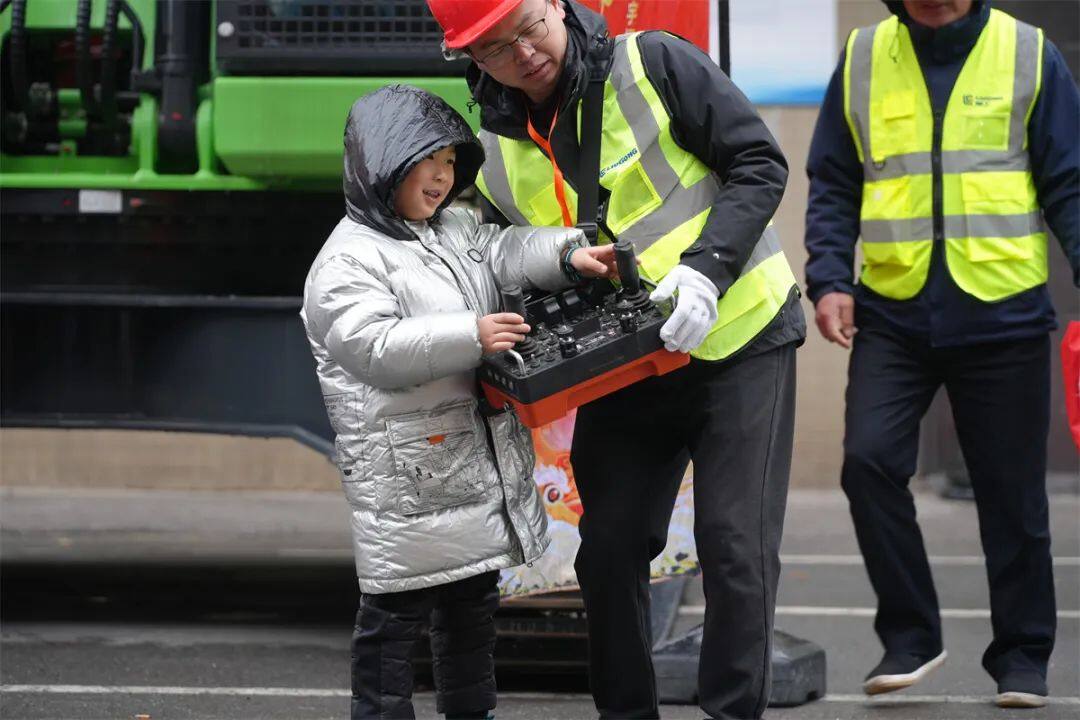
426, 186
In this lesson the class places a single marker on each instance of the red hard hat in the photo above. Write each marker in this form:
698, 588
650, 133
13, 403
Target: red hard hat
463, 21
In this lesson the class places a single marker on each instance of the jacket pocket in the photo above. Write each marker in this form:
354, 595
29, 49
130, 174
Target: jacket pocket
514, 450
341, 410
437, 458
980, 250
896, 254
997, 193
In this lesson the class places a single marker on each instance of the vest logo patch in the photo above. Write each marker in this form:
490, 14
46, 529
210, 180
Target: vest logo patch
981, 100
618, 163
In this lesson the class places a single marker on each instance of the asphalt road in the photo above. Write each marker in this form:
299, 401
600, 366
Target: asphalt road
239, 605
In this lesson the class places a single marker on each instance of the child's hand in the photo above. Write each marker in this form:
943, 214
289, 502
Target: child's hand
595, 262
500, 331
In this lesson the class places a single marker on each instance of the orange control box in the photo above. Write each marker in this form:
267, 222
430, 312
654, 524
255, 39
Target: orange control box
586, 342
545, 410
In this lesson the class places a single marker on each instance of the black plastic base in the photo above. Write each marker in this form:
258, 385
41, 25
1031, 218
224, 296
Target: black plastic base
798, 669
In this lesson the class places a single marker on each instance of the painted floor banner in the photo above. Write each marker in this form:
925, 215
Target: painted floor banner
555, 479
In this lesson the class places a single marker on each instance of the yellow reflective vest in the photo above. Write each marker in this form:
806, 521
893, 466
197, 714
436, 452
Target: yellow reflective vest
660, 198
963, 178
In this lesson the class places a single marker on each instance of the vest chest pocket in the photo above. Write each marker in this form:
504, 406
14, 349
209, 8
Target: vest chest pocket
545, 209
895, 116
437, 458
633, 196
985, 131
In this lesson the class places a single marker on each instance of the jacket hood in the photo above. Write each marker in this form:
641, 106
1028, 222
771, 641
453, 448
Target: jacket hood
503, 109
950, 42
387, 133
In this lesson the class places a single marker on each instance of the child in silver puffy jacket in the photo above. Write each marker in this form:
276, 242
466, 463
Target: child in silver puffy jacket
399, 306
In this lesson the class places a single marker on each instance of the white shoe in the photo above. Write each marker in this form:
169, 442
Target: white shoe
1014, 699
892, 673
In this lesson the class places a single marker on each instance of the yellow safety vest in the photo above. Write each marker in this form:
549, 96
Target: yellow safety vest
964, 179
660, 198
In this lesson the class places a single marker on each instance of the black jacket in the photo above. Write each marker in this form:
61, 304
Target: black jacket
943, 314
710, 118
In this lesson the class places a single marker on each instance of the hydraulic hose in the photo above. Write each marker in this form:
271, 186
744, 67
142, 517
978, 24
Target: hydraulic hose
20, 82
138, 39
108, 63
83, 75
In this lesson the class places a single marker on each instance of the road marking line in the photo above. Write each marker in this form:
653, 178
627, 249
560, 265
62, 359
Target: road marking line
943, 560
897, 699
820, 611
901, 699
173, 690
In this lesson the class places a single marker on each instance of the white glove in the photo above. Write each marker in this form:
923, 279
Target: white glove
695, 309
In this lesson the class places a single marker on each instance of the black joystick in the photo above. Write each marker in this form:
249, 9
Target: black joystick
514, 302
568, 346
632, 294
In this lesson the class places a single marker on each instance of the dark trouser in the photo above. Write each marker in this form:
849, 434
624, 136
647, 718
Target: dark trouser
631, 448
462, 647
1000, 394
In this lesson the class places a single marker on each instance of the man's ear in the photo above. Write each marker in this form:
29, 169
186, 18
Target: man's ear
560, 8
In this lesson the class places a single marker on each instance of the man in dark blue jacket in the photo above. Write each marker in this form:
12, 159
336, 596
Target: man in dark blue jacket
952, 292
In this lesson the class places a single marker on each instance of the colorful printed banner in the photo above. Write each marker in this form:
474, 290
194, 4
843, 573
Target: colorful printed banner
555, 479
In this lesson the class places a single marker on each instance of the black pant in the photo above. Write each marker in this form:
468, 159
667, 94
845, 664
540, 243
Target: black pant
462, 646
1000, 394
631, 448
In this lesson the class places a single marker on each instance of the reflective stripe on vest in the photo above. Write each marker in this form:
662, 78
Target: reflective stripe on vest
660, 198
995, 239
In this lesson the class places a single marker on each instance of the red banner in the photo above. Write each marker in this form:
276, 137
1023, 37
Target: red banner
688, 18
1070, 365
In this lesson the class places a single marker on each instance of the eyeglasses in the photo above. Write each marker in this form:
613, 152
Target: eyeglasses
530, 37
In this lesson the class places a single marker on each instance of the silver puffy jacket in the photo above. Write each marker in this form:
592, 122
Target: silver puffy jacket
437, 492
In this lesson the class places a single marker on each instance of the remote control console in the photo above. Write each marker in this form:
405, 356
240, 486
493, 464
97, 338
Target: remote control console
585, 342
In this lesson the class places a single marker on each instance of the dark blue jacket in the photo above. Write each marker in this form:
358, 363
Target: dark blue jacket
942, 313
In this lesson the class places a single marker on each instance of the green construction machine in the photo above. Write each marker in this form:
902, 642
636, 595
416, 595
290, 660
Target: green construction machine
190, 95
168, 168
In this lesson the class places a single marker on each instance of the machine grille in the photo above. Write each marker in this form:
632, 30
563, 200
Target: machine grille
352, 37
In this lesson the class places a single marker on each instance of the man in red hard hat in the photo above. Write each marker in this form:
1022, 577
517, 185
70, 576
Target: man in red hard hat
691, 176
470, 27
